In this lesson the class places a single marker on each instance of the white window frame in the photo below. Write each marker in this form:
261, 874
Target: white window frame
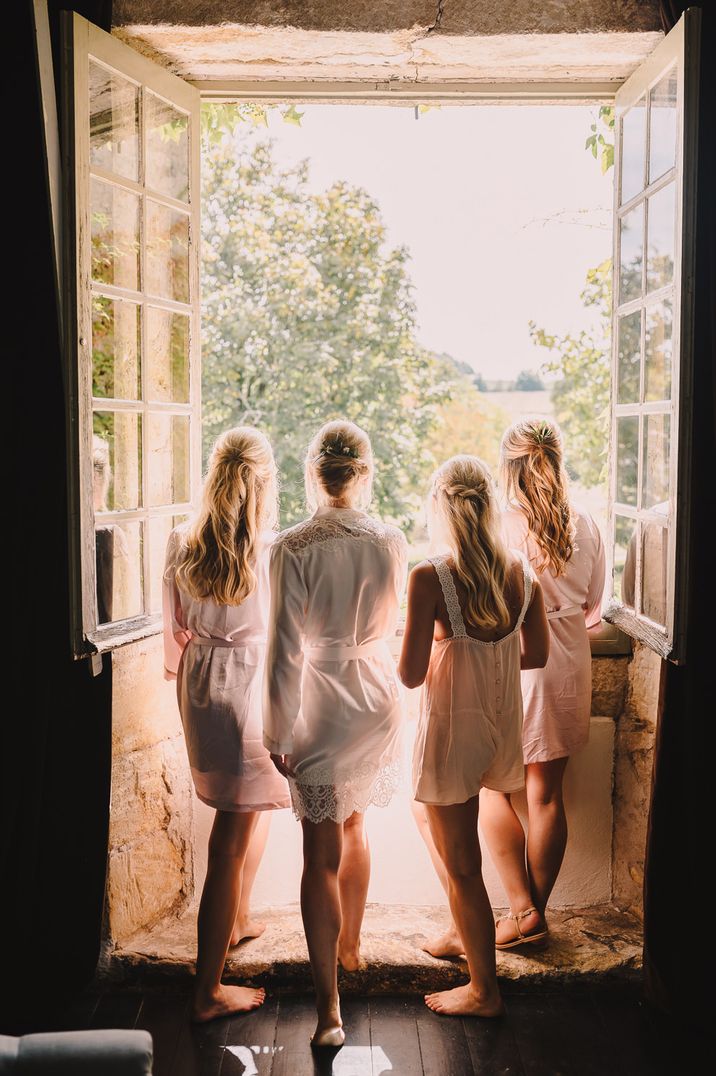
83, 41
680, 48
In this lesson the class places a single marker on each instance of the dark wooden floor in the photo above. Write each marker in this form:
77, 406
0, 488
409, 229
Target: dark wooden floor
604, 1031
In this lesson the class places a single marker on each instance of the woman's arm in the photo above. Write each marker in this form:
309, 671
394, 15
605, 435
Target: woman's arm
176, 635
534, 634
595, 592
419, 626
284, 656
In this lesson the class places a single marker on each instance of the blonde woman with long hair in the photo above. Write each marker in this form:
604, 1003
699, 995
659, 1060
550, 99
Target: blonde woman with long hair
565, 549
475, 617
216, 600
333, 712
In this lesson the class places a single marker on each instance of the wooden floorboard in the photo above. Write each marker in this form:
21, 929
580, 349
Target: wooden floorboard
443, 1045
296, 1024
250, 1043
163, 1016
200, 1048
116, 1011
493, 1047
394, 1036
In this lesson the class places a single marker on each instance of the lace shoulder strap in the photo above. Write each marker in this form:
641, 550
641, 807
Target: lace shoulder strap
447, 585
527, 576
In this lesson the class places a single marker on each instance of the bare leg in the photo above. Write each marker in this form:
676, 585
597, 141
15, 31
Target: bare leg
454, 831
353, 880
547, 833
321, 911
506, 840
245, 927
228, 844
448, 944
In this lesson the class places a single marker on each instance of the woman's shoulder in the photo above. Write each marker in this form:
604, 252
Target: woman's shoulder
585, 526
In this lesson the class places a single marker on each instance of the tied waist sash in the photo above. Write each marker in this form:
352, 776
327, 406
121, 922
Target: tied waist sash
249, 653
346, 653
565, 610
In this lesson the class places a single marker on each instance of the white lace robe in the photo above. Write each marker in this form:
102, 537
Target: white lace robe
332, 700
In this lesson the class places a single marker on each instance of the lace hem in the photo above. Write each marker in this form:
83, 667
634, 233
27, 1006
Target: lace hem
338, 801
331, 533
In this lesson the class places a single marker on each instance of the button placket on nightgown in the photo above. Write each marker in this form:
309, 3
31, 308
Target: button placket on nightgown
498, 681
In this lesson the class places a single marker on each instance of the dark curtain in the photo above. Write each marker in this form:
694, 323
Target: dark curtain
55, 738
679, 946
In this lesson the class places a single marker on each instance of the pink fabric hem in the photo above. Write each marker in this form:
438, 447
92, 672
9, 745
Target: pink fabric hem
243, 808
563, 751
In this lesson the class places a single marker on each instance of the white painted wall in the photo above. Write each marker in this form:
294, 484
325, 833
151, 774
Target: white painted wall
402, 872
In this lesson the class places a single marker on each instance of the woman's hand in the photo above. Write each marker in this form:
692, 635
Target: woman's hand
282, 764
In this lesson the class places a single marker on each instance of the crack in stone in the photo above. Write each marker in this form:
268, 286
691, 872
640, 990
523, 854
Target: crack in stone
438, 17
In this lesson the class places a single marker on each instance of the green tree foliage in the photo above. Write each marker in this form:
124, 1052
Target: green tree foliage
308, 315
528, 381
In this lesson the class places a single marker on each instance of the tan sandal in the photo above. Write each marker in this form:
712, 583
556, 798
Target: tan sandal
521, 939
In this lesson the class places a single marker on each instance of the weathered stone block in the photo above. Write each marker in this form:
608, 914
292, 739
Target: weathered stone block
642, 697
609, 685
147, 881
144, 706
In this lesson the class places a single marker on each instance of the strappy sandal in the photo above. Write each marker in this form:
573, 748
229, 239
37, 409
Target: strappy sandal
521, 939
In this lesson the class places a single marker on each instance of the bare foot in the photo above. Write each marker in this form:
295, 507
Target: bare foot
463, 1001
227, 1000
507, 935
244, 929
329, 1030
349, 956
448, 944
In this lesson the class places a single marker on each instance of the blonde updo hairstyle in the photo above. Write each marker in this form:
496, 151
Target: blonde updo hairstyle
465, 511
533, 479
339, 465
239, 502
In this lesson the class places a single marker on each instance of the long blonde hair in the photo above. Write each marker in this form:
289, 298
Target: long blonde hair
533, 477
239, 501
338, 457
465, 506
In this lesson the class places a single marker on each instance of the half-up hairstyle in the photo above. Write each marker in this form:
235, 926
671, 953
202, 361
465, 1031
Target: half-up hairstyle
465, 505
338, 457
239, 501
533, 478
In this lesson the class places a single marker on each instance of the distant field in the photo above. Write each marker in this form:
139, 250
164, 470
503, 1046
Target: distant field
520, 404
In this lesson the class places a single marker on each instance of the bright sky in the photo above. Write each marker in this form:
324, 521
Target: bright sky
502, 209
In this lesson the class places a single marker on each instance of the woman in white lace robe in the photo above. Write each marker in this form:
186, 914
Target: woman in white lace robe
332, 704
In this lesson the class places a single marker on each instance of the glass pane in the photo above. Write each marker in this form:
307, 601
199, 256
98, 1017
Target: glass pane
629, 358
661, 227
160, 528
118, 557
167, 252
169, 471
115, 348
657, 351
167, 149
625, 559
117, 461
654, 554
114, 122
631, 234
627, 459
655, 461
115, 235
633, 150
662, 135
168, 351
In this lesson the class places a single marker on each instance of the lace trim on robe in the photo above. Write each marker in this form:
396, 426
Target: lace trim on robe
331, 533
367, 785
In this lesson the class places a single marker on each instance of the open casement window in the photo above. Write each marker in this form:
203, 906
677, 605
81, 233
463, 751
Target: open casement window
132, 146
655, 162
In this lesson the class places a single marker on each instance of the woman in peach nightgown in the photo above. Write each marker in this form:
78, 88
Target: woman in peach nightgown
565, 548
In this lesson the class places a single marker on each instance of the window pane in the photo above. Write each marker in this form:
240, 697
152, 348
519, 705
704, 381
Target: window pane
631, 234
627, 458
114, 122
624, 559
662, 145
168, 350
629, 358
117, 461
167, 149
633, 150
159, 530
169, 470
118, 558
115, 235
654, 553
661, 227
655, 462
167, 252
657, 351
115, 348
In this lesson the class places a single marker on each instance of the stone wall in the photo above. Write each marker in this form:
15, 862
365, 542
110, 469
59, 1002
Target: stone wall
634, 757
151, 843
